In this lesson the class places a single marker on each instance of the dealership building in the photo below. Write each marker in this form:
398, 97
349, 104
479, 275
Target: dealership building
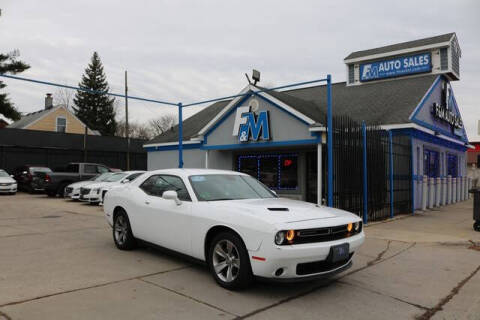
279, 137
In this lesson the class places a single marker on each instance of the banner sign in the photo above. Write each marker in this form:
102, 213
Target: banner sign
396, 67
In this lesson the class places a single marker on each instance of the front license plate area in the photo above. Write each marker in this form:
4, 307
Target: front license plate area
339, 252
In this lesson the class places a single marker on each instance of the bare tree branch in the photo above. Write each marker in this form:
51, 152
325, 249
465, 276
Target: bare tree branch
162, 124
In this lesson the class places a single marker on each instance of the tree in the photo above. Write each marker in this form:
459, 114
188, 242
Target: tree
63, 96
10, 64
162, 124
135, 130
97, 111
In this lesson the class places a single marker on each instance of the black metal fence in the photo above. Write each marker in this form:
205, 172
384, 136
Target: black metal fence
349, 170
54, 150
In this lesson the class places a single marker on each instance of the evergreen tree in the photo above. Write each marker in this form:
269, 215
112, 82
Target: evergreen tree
95, 110
10, 64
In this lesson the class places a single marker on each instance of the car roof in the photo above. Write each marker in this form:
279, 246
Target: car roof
185, 172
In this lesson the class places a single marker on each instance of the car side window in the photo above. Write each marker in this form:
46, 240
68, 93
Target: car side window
90, 168
156, 185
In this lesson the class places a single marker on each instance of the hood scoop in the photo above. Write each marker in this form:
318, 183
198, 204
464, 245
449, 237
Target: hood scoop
278, 209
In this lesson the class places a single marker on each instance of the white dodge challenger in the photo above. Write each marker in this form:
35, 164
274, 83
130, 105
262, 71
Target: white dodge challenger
235, 224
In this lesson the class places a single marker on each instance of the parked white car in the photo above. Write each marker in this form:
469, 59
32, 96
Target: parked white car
129, 178
93, 192
235, 224
72, 191
7, 183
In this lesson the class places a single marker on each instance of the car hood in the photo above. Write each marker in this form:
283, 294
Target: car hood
281, 210
6, 180
99, 185
80, 184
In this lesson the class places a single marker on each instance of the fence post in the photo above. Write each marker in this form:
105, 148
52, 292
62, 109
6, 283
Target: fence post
180, 136
329, 142
365, 183
390, 141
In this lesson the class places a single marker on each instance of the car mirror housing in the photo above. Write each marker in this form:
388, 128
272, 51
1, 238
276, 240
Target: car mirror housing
171, 195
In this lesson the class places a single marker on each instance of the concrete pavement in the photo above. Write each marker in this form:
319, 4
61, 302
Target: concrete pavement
58, 261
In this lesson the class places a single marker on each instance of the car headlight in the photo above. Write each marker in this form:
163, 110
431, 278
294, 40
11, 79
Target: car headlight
96, 190
356, 226
280, 237
284, 236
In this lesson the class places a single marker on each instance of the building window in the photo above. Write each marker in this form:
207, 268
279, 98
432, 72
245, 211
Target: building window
61, 124
452, 165
276, 171
431, 167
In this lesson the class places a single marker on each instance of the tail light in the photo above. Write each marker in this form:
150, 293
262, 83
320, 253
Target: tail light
47, 178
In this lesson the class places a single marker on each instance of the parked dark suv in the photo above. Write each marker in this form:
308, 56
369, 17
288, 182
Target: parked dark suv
25, 176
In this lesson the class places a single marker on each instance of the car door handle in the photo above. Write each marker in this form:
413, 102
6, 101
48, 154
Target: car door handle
147, 202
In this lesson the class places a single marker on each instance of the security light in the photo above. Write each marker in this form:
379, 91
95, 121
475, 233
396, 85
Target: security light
255, 76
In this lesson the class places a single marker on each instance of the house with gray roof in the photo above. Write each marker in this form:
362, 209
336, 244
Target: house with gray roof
52, 118
279, 136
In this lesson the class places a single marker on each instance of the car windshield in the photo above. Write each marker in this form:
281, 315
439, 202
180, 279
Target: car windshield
116, 177
40, 169
4, 174
102, 177
215, 187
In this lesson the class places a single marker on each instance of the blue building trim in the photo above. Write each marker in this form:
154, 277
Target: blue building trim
420, 135
174, 147
225, 116
420, 106
263, 144
425, 98
248, 95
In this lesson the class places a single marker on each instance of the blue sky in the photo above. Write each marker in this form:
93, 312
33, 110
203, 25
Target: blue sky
191, 50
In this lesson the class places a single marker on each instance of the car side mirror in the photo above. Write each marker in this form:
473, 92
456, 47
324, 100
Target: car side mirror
274, 192
12, 176
24, 172
171, 195
126, 181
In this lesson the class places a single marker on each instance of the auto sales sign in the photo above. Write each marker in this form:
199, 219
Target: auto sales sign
396, 67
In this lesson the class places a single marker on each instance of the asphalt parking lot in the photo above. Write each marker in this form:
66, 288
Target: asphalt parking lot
58, 261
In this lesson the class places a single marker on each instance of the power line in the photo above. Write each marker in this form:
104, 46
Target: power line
87, 90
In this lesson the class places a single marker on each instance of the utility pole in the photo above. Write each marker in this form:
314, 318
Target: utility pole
127, 135
85, 144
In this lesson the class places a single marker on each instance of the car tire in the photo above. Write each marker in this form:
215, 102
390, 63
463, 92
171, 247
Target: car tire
61, 190
122, 232
229, 262
476, 226
51, 194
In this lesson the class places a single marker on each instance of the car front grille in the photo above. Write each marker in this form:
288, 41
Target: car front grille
324, 234
84, 191
320, 266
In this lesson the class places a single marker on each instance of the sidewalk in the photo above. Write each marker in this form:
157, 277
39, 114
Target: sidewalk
452, 224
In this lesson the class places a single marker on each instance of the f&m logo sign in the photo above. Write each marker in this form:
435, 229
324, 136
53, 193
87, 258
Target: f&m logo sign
251, 124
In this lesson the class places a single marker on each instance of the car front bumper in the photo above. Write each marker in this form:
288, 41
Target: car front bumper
289, 257
8, 189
